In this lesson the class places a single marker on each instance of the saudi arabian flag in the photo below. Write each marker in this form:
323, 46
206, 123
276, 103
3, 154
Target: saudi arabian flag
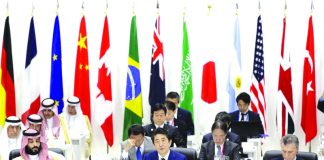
186, 100
133, 103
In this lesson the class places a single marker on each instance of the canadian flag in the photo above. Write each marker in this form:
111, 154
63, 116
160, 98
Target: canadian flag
104, 114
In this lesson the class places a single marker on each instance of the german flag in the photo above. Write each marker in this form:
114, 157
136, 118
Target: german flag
7, 85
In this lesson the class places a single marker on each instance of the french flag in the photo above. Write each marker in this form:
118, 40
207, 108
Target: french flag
32, 100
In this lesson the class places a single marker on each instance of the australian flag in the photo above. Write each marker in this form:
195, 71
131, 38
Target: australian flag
157, 81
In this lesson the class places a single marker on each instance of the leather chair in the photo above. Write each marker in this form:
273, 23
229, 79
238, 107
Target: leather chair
190, 153
268, 155
16, 152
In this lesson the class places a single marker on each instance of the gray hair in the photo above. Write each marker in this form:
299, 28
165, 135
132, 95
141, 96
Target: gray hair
290, 139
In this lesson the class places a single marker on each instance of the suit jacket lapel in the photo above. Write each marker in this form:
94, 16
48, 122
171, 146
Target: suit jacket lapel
179, 114
132, 153
211, 148
237, 115
171, 156
225, 149
152, 128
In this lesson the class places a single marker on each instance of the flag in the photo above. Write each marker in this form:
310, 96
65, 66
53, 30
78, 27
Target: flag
31, 84
157, 80
186, 100
285, 94
81, 80
308, 118
257, 87
209, 88
7, 85
133, 102
56, 85
234, 75
104, 113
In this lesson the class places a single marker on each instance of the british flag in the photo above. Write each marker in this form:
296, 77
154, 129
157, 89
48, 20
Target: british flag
285, 94
257, 87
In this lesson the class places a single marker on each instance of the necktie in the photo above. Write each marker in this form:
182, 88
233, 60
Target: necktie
242, 116
219, 151
138, 153
162, 159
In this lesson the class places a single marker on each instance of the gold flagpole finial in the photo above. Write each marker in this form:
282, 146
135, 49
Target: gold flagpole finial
209, 8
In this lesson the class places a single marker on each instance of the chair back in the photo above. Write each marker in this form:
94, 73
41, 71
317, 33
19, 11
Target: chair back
271, 154
190, 153
16, 152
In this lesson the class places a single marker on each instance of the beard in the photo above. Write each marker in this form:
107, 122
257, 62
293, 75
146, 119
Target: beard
33, 151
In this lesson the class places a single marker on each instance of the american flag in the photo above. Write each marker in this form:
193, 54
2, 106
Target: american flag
257, 87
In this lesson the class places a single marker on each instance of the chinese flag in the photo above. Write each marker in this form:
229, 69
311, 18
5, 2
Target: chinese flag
81, 80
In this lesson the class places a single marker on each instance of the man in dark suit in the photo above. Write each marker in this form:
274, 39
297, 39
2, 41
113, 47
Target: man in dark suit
244, 114
136, 144
159, 116
226, 118
320, 104
289, 148
162, 143
170, 120
219, 147
181, 114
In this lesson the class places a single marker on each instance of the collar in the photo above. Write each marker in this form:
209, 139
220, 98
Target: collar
222, 148
33, 157
176, 112
294, 158
171, 122
245, 113
141, 149
50, 122
157, 126
165, 157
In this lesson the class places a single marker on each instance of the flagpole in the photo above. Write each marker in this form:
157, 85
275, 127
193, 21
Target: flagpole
57, 6
236, 9
133, 8
285, 11
158, 7
106, 11
209, 8
259, 7
82, 11
33, 7
7, 8
311, 14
